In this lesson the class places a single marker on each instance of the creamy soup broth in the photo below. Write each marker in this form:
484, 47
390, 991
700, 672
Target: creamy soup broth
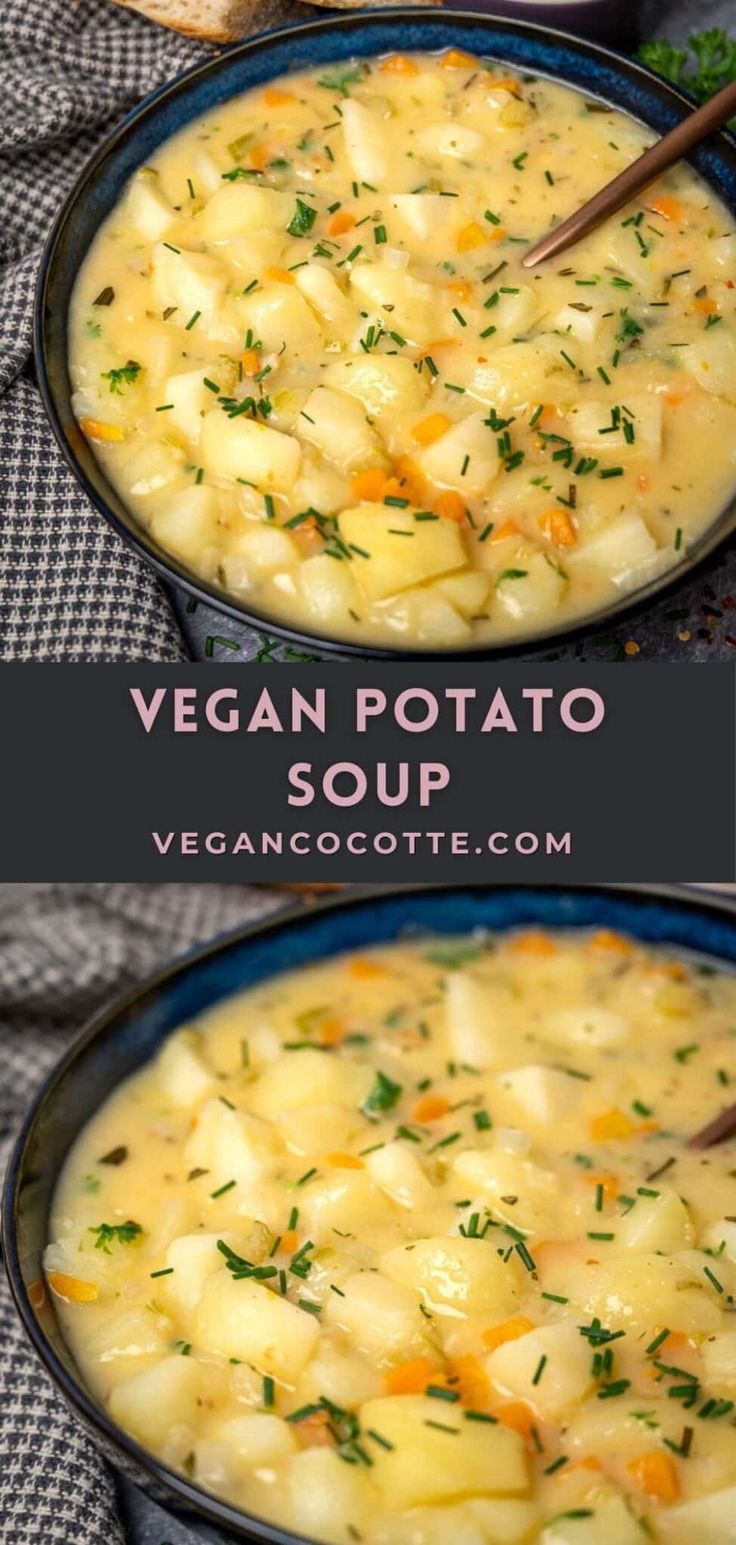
410, 1248
306, 352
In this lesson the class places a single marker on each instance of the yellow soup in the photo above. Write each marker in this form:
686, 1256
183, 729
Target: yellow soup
307, 354
409, 1248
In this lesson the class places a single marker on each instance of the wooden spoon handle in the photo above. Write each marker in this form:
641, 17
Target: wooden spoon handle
659, 158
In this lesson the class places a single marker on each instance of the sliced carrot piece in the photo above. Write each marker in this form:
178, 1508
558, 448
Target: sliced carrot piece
608, 1182
705, 306
610, 1125
410, 1378
258, 157
517, 1415
451, 505
412, 480
430, 429
251, 362
94, 430
607, 939
279, 276
437, 344
364, 969
314, 1430
656, 1474
462, 288
340, 222
558, 528
506, 529
470, 236
331, 1032
345, 1161
588, 1462
505, 83
467, 1376
72, 1288
399, 64
369, 485
289, 1241
430, 1108
273, 96
533, 942
668, 207
455, 59
510, 1330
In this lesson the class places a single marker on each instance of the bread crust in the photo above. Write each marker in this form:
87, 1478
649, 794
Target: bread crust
233, 27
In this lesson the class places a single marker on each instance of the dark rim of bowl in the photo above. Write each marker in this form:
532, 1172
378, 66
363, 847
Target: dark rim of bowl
193, 1497
169, 567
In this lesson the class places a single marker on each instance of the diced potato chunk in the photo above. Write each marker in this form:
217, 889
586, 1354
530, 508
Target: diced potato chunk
501, 1174
329, 590
544, 1095
186, 522
367, 144
320, 288
231, 1144
656, 1223
565, 1377
531, 592
190, 281
384, 383
397, 1171
621, 547
246, 1320
278, 315
184, 1078
336, 1200
429, 617
519, 375
316, 1079
337, 425
506, 1520
630, 1290
190, 400
148, 208
468, 592
157, 1399
475, 1023
719, 1364
588, 1026
131, 1340
406, 304
580, 321
609, 1522
240, 448
455, 1276
381, 1318
591, 429
258, 1439
395, 562
244, 206
707, 1521
153, 466
329, 1498
426, 1464
192, 1259
465, 457
449, 139
421, 213
721, 1236
267, 550
712, 360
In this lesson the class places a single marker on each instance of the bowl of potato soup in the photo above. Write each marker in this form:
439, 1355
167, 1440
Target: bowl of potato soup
383, 1221
287, 342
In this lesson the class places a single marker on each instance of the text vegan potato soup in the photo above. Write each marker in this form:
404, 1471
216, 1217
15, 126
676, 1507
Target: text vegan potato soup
410, 1248
307, 354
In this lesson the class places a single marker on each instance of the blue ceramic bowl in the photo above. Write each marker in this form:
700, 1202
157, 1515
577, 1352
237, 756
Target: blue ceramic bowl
127, 1034
528, 48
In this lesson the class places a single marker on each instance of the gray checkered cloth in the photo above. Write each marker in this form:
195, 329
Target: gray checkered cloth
69, 70
64, 949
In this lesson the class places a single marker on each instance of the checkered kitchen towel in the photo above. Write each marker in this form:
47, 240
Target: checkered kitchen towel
69, 70
63, 951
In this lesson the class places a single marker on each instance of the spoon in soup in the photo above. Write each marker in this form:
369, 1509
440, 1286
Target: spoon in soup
658, 159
